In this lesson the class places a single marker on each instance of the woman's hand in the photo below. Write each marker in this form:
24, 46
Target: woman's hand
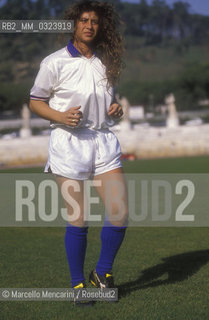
115, 110
71, 117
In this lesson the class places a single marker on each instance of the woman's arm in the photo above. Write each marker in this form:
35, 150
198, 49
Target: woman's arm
70, 117
43, 110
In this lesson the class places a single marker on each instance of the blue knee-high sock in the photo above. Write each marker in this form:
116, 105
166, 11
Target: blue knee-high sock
111, 238
75, 245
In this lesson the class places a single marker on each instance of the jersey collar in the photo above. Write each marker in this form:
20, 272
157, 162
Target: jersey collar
73, 51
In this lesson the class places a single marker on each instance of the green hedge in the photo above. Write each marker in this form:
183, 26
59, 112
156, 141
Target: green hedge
190, 87
12, 96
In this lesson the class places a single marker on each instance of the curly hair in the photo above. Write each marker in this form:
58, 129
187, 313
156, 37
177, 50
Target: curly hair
108, 45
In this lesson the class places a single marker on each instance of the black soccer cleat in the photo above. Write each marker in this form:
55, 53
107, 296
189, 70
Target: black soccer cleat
101, 282
77, 293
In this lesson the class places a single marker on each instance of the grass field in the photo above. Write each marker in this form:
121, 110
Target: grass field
162, 273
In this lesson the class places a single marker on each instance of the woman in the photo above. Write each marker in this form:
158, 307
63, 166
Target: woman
74, 90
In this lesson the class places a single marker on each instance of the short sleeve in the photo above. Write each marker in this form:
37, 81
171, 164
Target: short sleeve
44, 83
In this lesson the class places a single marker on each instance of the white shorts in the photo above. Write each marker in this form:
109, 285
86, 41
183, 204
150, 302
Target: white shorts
82, 152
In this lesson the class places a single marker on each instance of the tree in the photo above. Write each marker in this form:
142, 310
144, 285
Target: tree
181, 20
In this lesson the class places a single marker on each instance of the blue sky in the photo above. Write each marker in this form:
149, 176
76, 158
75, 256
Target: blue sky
197, 6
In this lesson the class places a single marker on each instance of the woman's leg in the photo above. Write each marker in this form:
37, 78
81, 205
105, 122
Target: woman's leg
113, 193
76, 231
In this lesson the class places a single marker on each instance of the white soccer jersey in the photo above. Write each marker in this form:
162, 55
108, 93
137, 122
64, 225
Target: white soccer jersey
68, 79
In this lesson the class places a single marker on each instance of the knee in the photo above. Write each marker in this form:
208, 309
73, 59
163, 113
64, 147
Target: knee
118, 216
117, 220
